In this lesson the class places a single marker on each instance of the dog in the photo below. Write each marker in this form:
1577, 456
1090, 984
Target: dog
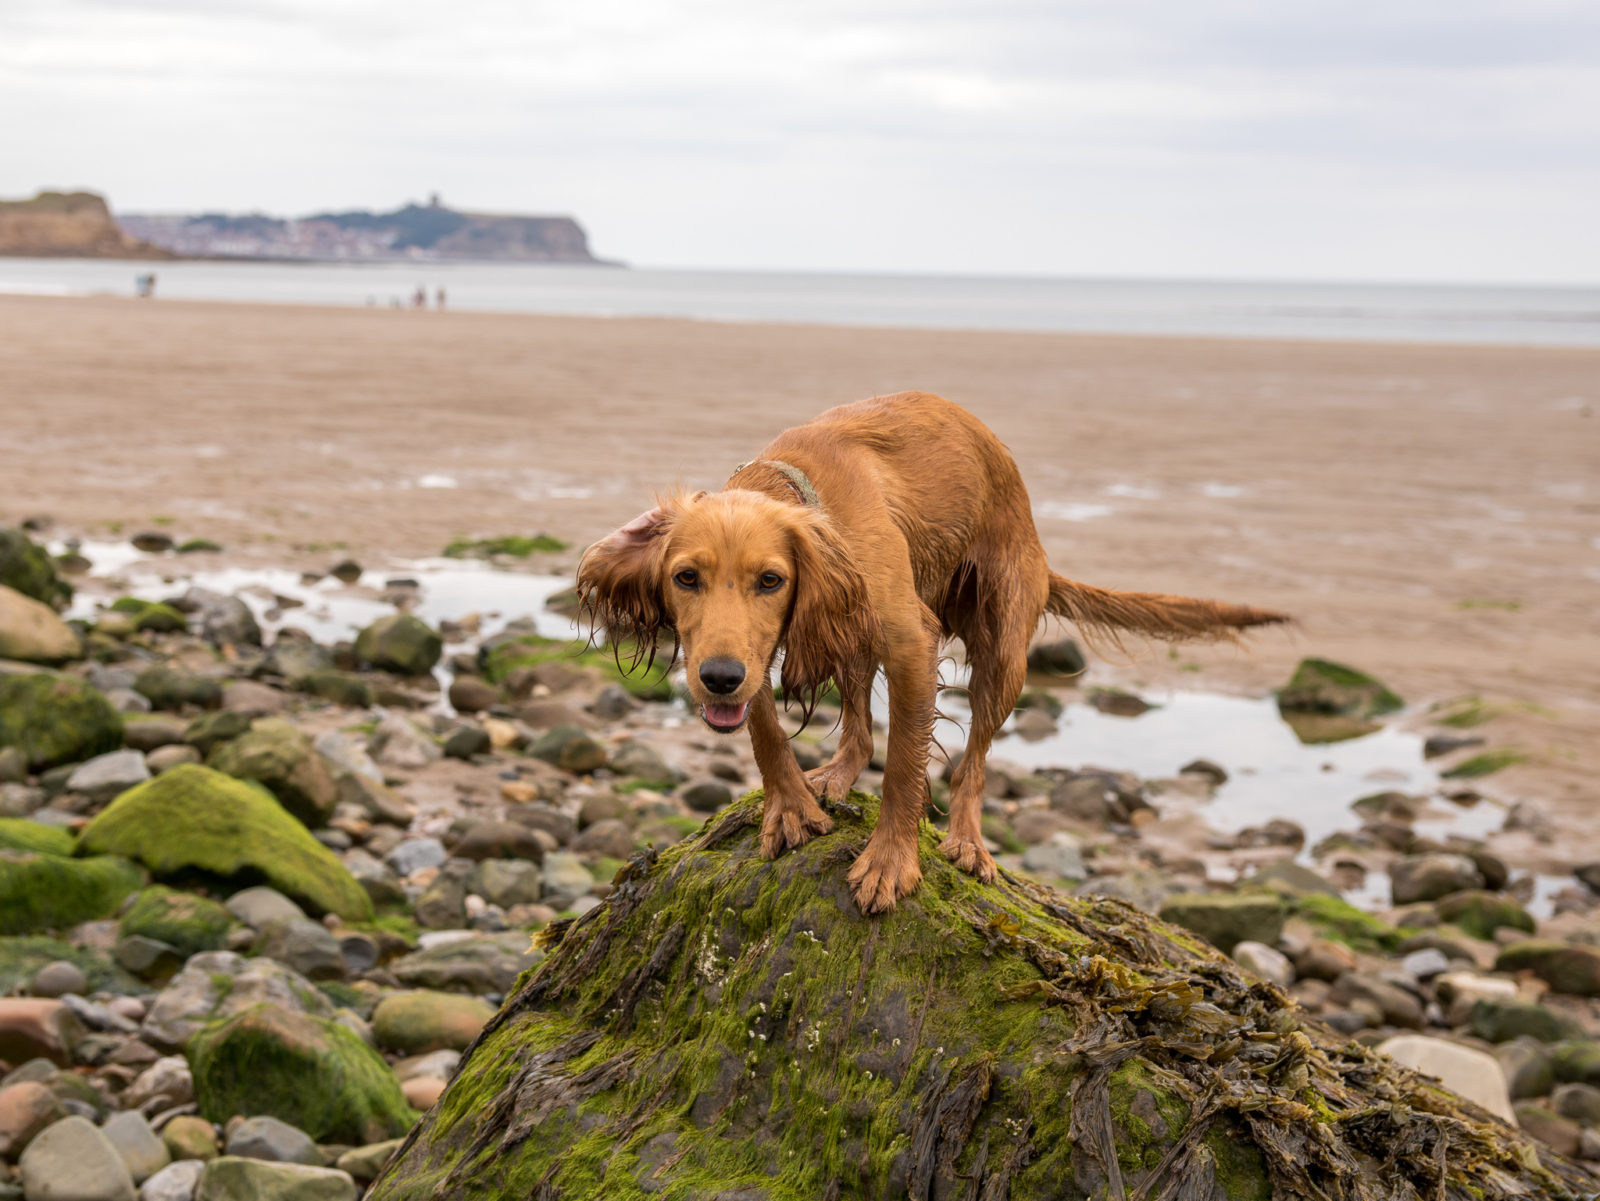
863, 538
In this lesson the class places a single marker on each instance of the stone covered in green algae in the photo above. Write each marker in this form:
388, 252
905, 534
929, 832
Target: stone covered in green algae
1480, 914
724, 1026
154, 616
182, 920
307, 1071
1321, 686
49, 892
173, 689
27, 567
193, 820
400, 643
21, 834
1227, 919
22, 956
414, 1023
500, 657
55, 718
280, 756
518, 546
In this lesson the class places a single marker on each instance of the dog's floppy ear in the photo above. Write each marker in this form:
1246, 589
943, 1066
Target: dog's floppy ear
832, 628
619, 582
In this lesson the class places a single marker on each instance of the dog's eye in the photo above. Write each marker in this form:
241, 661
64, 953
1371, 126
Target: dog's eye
771, 581
687, 578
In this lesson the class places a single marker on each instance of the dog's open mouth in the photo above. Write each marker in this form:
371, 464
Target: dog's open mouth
725, 718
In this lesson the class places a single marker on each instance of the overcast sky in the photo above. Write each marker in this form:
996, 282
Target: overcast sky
1335, 139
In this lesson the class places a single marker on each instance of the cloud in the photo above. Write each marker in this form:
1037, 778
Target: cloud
1227, 137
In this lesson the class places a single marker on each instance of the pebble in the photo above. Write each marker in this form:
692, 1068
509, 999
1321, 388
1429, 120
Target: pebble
235, 1179
414, 855
1266, 963
177, 1181
74, 1160
141, 1147
57, 979
270, 1139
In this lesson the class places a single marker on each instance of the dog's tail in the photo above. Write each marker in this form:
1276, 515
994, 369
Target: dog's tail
1174, 618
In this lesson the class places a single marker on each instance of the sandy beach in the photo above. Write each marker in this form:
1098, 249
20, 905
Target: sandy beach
1430, 514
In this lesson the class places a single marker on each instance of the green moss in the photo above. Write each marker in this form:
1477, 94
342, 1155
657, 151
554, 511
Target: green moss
150, 615
1321, 686
56, 718
1485, 764
28, 568
180, 919
197, 545
530, 650
1505, 606
48, 892
723, 1022
516, 545
196, 820
21, 834
605, 868
312, 1073
338, 687
1340, 921
400, 643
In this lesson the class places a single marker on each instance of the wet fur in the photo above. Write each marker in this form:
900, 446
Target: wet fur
924, 533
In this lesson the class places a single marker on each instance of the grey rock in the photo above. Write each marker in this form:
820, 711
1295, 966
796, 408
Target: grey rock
414, 855
1426, 963
224, 620
304, 945
479, 965
398, 743
252, 699
259, 907
1526, 1064
104, 776
612, 702
440, 1064
168, 757
506, 882
1061, 658
1227, 919
175, 1182
167, 1080
148, 958
270, 1139
443, 904
570, 748
1430, 876
58, 979
218, 984
73, 1160
565, 875
347, 753
639, 760
141, 1147
1267, 963
381, 884
470, 694
153, 732
706, 796
1059, 859
465, 741
611, 837
294, 660
1580, 1102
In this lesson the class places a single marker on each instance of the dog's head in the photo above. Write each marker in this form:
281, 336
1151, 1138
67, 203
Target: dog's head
733, 575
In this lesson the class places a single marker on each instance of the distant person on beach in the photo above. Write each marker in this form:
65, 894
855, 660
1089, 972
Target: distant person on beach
144, 286
438, 299
419, 299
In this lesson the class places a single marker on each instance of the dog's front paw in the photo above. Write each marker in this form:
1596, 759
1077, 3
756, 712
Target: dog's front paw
971, 857
832, 781
882, 874
789, 824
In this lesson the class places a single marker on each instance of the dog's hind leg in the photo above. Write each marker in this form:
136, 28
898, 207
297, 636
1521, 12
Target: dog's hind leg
995, 625
834, 779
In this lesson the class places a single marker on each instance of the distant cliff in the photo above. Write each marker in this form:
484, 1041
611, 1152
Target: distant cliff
415, 232
68, 225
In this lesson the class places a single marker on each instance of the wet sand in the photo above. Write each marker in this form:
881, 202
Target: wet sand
1429, 513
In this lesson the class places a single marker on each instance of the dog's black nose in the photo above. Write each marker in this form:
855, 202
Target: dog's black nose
722, 676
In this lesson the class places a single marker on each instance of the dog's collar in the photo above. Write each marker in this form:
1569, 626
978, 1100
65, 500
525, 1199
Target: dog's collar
802, 483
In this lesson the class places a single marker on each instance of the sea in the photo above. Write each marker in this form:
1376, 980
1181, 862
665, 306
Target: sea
1485, 314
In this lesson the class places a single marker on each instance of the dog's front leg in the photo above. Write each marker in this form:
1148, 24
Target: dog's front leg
790, 816
888, 868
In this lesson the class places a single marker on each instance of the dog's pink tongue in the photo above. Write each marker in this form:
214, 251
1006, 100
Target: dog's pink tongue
726, 715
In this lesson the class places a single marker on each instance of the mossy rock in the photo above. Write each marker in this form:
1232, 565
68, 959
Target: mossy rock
728, 1026
21, 834
307, 1071
1320, 686
1565, 967
414, 1023
27, 567
193, 820
22, 956
1336, 919
1480, 914
180, 919
339, 687
55, 719
500, 657
518, 546
400, 643
150, 615
48, 892
279, 756
172, 689
1227, 919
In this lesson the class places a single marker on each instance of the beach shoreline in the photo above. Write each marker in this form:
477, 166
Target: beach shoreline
1429, 513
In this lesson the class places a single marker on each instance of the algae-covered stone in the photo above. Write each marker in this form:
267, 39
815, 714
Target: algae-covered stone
400, 643
48, 892
412, 1023
23, 834
276, 754
570, 748
1566, 968
182, 920
505, 653
339, 687
233, 1178
1499, 1020
22, 957
193, 819
1480, 914
31, 632
1226, 919
55, 719
27, 568
729, 1025
218, 984
210, 730
172, 689
309, 1072
1319, 686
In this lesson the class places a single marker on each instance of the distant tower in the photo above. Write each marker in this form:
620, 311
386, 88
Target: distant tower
433, 200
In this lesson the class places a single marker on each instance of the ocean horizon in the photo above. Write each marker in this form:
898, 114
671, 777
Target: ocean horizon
1486, 314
